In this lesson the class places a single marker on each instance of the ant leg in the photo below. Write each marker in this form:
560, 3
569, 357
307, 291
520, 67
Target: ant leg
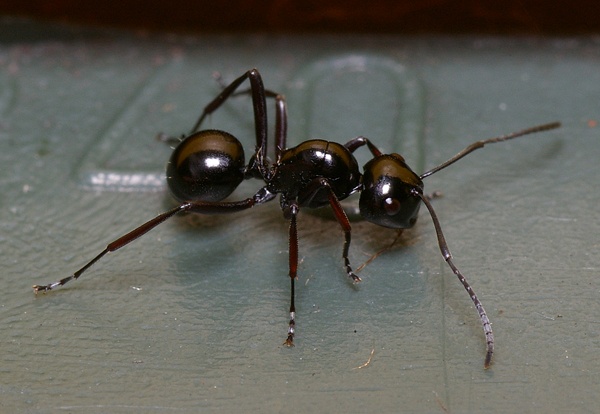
487, 325
342, 218
262, 196
381, 251
358, 142
312, 189
280, 117
258, 164
430, 196
293, 265
259, 105
280, 124
115, 245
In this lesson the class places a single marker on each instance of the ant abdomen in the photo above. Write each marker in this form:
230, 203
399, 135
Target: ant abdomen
206, 166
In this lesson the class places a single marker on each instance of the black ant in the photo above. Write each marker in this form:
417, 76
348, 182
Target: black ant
208, 165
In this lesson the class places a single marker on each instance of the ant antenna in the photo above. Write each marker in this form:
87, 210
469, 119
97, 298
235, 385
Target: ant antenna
485, 321
480, 144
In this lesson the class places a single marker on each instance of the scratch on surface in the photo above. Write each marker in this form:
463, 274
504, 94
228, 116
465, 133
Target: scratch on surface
545, 316
128, 407
440, 402
366, 364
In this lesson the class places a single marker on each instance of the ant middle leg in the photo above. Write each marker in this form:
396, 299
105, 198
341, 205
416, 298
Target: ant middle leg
342, 218
313, 189
292, 210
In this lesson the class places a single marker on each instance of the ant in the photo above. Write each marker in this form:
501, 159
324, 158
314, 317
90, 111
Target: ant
207, 165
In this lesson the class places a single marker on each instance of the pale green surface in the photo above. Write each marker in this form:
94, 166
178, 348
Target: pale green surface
193, 315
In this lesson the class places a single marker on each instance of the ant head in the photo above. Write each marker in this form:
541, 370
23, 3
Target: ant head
388, 192
206, 166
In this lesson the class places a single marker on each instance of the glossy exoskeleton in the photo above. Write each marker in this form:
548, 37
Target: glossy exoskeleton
208, 165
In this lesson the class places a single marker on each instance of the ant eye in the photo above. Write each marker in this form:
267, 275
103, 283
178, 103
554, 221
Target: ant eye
391, 206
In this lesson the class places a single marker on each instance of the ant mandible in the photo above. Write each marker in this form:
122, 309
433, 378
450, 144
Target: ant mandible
208, 165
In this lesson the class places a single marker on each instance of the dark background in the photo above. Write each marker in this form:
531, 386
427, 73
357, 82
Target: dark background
347, 16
